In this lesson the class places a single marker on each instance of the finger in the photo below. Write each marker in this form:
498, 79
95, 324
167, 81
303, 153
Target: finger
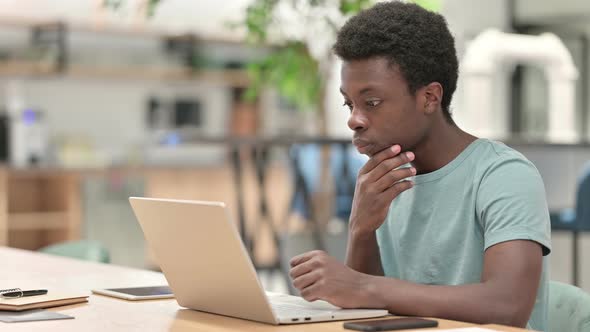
389, 165
301, 269
306, 280
379, 157
398, 188
304, 257
311, 293
392, 177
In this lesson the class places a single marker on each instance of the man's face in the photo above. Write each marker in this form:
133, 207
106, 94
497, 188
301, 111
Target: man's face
383, 112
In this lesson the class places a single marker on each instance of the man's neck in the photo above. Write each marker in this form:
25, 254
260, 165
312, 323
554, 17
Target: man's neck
443, 144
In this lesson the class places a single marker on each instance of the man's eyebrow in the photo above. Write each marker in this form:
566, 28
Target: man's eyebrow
365, 90
362, 92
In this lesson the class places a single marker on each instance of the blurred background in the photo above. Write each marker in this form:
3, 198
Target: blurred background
238, 102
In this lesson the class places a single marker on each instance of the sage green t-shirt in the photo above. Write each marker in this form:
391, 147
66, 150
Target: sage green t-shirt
436, 233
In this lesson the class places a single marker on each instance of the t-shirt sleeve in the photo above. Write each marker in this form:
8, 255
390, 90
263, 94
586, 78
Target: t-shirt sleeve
511, 204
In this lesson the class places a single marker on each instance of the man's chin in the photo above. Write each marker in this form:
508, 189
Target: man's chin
366, 150
375, 150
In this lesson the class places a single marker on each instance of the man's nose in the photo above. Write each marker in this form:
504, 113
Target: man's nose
357, 121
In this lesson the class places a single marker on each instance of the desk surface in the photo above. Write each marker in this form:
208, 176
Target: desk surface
107, 314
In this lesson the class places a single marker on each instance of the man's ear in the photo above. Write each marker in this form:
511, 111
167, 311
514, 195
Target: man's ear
433, 93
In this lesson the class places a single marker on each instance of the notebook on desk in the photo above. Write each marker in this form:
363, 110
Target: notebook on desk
48, 300
208, 269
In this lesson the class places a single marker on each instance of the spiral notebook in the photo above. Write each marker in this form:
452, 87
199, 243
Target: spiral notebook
51, 299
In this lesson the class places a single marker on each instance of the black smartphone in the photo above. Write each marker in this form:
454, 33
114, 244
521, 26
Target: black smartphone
390, 324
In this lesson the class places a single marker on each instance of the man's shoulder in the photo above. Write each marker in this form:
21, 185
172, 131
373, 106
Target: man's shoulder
495, 158
494, 151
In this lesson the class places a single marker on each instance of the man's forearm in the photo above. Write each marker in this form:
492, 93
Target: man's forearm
362, 253
477, 303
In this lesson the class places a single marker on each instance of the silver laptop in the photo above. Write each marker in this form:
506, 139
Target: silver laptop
208, 269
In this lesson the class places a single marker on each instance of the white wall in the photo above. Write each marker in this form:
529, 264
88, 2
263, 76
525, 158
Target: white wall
207, 17
108, 113
466, 19
111, 115
535, 11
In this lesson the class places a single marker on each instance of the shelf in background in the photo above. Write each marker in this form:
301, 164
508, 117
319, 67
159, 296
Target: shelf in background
37, 220
230, 77
25, 68
105, 28
56, 33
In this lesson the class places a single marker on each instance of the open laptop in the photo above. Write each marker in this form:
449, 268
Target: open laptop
208, 268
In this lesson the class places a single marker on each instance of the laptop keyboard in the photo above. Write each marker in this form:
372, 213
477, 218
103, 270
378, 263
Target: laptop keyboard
288, 306
294, 309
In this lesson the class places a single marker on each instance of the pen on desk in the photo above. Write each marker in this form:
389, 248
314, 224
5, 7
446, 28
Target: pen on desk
25, 293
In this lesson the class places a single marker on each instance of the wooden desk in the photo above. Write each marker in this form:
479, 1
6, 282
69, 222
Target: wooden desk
108, 314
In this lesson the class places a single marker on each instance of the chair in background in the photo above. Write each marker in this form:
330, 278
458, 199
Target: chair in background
83, 249
576, 220
345, 163
305, 160
569, 308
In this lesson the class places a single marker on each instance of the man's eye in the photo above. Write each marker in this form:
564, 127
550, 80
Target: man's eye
373, 103
348, 104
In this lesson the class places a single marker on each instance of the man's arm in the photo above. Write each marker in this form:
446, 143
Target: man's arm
505, 295
362, 253
378, 183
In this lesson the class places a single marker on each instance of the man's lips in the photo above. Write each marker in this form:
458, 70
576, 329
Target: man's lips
360, 144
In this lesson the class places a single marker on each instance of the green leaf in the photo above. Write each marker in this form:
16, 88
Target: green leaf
258, 18
290, 69
432, 5
354, 6
152, 4
112, 4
